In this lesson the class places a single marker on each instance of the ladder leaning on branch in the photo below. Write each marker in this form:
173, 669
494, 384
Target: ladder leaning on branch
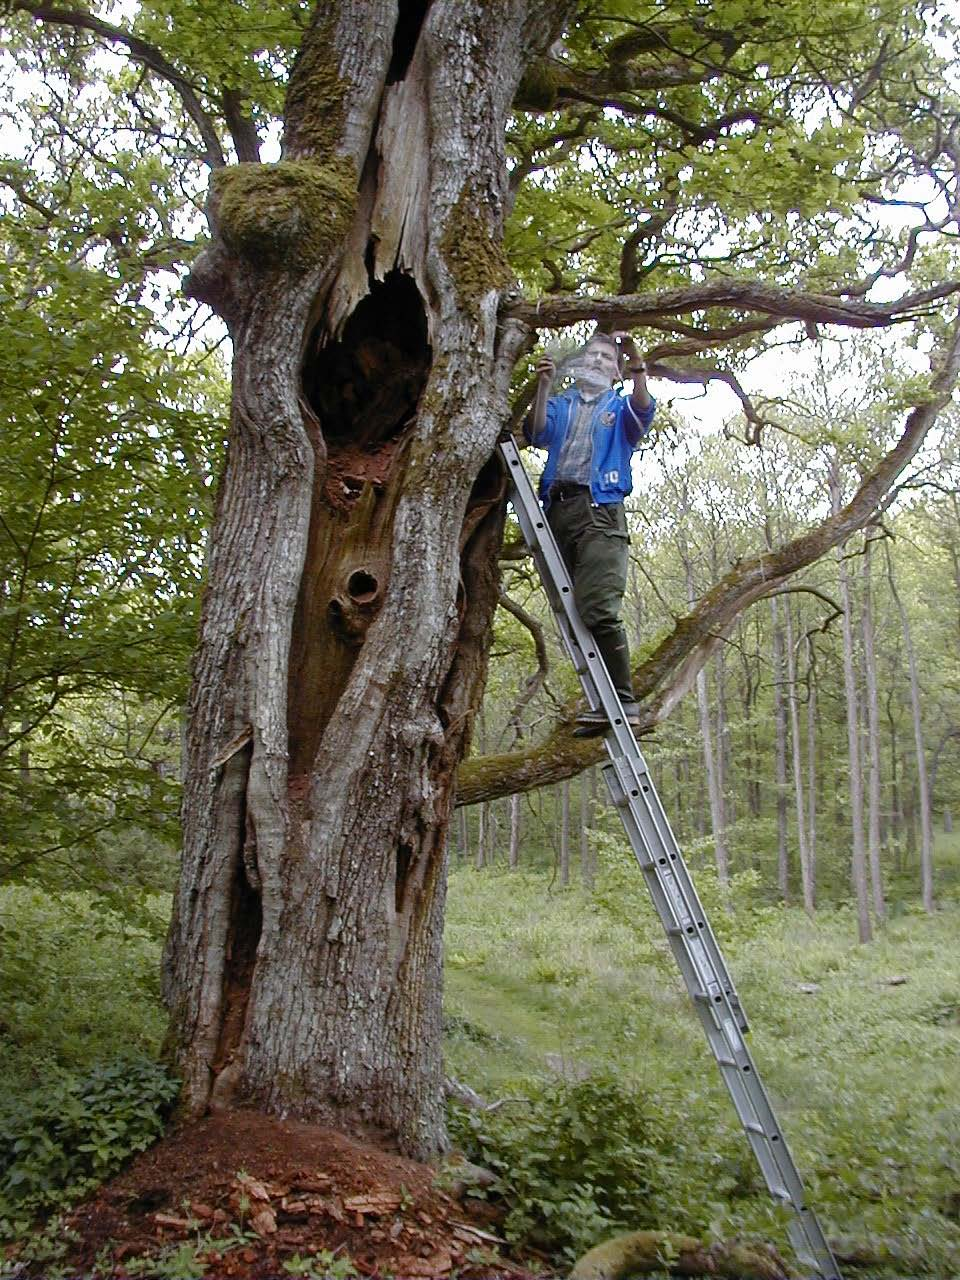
671, 888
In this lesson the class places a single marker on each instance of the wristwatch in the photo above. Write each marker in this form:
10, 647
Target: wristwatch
637, 368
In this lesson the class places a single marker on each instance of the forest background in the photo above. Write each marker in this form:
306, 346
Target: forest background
811, 774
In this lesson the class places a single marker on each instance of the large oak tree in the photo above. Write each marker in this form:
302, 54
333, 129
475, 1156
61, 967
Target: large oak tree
454, 177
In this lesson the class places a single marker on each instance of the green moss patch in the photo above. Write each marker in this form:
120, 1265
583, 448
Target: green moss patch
476, 262
290, 214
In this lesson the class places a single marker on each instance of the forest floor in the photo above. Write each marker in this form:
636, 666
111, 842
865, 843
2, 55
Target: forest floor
564, 1010
245, 1196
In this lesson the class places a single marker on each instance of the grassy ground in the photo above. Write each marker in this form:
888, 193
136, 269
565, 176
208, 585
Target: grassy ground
863, 1070
545, 986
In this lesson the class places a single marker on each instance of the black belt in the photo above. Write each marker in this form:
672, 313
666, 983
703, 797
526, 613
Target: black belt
560, 492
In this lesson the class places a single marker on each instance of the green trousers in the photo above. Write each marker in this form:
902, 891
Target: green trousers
594, 543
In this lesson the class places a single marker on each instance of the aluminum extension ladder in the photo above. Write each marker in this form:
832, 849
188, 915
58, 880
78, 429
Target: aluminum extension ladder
671, 888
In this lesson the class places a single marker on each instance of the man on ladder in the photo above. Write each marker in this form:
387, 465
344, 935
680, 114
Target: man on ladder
555, 423
590, 432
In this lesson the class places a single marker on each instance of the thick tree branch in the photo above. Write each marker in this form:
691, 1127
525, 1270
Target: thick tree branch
243, 131
640, 308
662, 679
143, 52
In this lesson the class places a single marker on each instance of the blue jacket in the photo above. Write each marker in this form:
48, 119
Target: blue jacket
617, 431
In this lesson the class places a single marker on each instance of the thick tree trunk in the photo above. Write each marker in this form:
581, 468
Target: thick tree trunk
352, 567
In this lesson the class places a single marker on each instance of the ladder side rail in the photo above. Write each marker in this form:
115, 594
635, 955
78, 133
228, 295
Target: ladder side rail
651, 818
718, 1018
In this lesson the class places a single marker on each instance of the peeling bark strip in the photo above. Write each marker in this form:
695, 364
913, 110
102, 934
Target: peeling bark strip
663, 678
352, 567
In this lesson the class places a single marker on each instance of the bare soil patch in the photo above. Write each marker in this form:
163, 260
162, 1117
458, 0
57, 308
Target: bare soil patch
248, 1192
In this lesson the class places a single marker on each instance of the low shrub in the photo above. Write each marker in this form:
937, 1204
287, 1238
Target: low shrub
582, 1159
65, 1139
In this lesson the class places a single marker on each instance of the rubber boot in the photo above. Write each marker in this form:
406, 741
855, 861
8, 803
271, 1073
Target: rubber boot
616, 656
615, 652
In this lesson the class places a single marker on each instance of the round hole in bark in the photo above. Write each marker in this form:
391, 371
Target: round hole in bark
362, 587
364, 387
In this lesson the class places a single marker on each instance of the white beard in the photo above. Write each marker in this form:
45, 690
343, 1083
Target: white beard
590, 381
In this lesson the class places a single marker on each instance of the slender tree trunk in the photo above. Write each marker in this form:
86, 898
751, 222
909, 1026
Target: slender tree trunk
588, 870
713, 784
513, 858
812, 773
873, 744
780, 730
897, 821
859, 859
806, 871
923, 791
565, 833
352, 566
483, 836
463, 844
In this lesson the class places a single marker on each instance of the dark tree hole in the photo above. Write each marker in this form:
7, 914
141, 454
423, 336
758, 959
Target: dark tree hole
362, 586
405, 36
404, 858
365, 386
489, 484
246, 922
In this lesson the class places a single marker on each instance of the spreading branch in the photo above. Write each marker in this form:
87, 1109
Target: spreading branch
622, 311
662, 679
143, 52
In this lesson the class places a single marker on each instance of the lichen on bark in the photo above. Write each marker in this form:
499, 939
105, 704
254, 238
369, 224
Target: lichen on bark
289, 214
475, 260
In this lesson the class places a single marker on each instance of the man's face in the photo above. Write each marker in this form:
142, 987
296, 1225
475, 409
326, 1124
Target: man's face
602, 357
597, 367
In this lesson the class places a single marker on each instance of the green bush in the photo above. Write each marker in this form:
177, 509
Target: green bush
67, 1138
583, 1159
78, 983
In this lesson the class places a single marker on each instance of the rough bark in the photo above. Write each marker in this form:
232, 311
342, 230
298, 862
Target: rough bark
352, 567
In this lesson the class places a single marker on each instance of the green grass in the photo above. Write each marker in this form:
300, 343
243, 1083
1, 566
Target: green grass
545, 986
865, 1075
